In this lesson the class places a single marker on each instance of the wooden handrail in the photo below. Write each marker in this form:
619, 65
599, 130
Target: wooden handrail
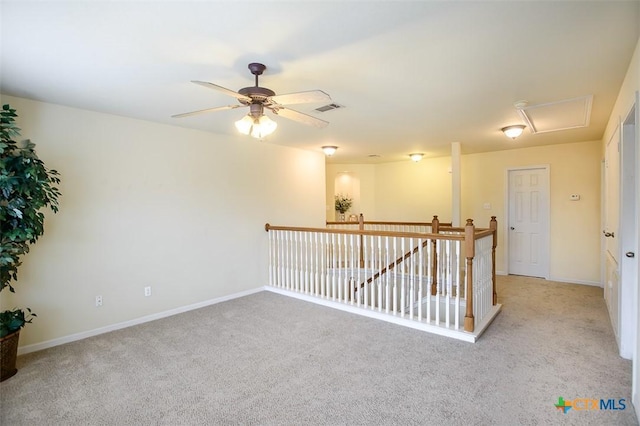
479, 232
268, 227
379, 222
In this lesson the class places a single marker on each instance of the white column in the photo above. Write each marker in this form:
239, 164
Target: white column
456, 184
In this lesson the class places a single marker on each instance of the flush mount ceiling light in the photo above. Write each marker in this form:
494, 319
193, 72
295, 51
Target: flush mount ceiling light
329, 150
416, 156
256, 123
513, 131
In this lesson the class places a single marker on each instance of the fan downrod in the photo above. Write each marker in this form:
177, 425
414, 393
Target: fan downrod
256, 93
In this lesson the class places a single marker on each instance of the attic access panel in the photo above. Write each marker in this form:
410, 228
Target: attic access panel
561, 115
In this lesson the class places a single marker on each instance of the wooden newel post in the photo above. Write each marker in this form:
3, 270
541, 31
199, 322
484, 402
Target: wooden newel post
469, 250
361, 228
493, 225
435, 229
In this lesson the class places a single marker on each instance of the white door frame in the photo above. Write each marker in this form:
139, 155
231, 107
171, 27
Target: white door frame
636, 352
628, 231
547, 228
610, 226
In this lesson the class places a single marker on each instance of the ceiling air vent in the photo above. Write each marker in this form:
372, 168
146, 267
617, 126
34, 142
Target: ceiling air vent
329, 107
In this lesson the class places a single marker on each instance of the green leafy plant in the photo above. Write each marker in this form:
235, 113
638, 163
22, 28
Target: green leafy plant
12, 321
26, 186
343, 203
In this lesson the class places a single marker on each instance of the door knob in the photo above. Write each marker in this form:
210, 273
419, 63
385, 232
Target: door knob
512, 228
630, 254
608, 234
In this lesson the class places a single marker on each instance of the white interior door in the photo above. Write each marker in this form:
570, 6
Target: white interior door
628, 244
528, 226
612, 192
610, 231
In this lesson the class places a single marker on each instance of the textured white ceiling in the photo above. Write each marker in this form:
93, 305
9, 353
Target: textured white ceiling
413, 76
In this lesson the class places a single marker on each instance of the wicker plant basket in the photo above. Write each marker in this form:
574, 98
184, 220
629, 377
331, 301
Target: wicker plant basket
8, 355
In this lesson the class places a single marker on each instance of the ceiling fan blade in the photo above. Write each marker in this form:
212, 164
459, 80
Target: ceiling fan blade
201, 111
301, 97
222, 89
300, 117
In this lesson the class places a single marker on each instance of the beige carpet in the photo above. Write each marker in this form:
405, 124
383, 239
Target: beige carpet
267, 359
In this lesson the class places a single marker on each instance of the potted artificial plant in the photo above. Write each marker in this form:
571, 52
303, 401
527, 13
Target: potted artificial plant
26, 186
343, 204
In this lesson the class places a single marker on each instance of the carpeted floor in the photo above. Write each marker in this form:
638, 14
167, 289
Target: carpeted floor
267, 359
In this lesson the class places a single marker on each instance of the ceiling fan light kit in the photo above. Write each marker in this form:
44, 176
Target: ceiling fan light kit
256, 127
257, 98
513, 131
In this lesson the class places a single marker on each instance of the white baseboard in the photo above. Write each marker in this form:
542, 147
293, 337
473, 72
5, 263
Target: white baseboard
90, 333
572, 281
565, 280
470, 337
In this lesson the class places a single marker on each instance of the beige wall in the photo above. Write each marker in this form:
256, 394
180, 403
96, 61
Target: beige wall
397, 191
154, 205
626, 97
361, 177
574, 225
416, 191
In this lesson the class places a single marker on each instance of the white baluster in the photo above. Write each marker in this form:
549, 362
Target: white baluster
368, 258
457, 284
420, 275
379, 280
351, 269
438, 280
281, 245
334, 258
395, 276
448, 283
430, 279
403, 293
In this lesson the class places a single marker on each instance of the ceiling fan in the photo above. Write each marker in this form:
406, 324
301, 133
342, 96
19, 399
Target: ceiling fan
257, 98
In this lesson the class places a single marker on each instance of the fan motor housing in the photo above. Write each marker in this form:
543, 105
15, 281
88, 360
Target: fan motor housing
257, 93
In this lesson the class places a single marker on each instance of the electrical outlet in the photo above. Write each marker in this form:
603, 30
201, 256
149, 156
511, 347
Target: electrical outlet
99, 300
147, 291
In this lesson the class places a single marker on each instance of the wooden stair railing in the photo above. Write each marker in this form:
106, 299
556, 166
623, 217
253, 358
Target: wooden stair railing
389, 267
469, 250
393, 264
470, 236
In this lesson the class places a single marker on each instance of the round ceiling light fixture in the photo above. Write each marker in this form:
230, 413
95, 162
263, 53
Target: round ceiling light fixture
329, 150
513, 131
